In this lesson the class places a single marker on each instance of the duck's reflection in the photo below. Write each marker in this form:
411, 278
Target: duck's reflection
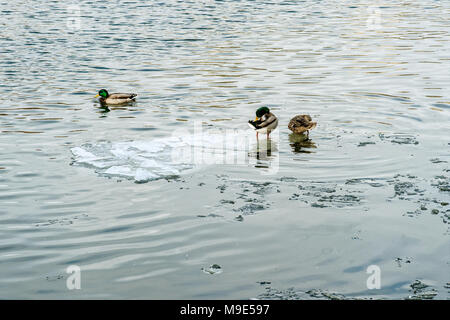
300, 143
103, 109
264, 154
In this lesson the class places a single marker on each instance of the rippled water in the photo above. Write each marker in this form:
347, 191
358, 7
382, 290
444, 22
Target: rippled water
370, 188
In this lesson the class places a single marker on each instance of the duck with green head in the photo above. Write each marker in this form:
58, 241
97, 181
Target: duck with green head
115, 98
265, 122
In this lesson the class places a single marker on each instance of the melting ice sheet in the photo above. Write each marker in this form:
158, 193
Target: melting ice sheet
143, 161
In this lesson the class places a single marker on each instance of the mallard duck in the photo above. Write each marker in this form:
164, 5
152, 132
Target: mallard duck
115, 98
265, 122
301, 123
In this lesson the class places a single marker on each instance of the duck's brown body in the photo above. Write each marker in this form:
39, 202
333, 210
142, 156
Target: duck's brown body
301, 123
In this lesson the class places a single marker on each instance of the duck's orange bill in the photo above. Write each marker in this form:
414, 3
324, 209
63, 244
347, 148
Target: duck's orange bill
256, 119
97, 95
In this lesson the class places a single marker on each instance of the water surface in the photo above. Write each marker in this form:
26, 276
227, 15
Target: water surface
370, 188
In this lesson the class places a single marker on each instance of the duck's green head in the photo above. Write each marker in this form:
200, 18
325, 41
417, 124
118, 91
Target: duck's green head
261, 111
102, 93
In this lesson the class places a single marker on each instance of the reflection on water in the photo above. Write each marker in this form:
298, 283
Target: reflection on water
264, 154
102, 109
301, 143
371, 186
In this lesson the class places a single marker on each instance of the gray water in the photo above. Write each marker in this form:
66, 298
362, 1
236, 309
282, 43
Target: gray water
371, 187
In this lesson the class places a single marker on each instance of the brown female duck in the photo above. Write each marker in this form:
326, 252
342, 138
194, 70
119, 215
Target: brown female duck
301, 123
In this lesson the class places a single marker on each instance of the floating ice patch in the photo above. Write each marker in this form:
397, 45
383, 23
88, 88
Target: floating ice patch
137, 160
143, 161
